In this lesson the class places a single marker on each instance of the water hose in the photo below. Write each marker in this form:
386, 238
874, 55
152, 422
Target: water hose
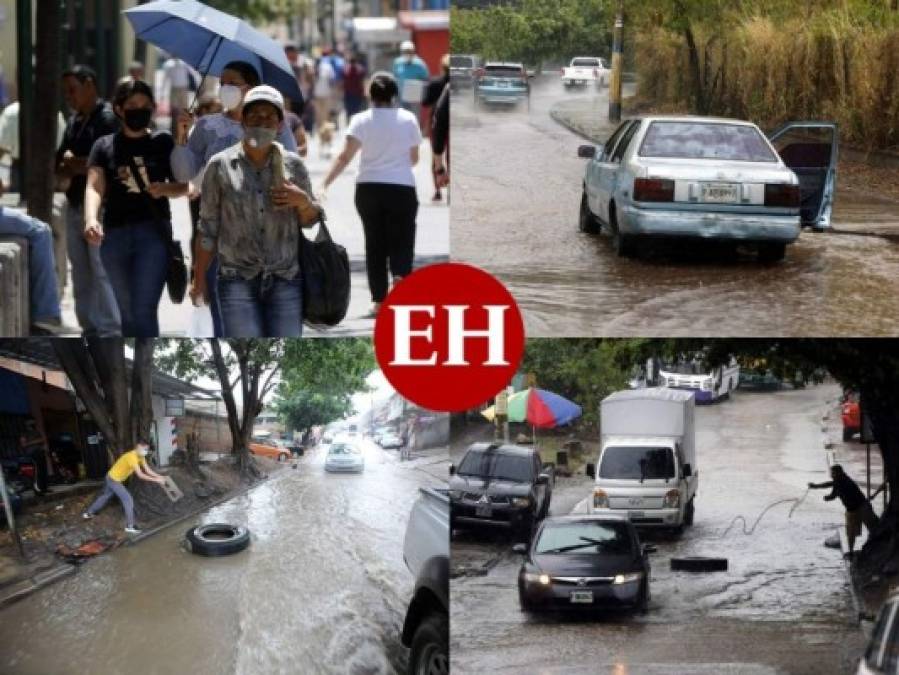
751, 530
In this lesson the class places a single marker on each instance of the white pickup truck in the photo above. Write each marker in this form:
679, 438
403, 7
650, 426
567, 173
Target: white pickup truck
426, 552
584, 70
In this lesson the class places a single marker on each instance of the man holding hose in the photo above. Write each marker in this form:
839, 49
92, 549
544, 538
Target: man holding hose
858, 508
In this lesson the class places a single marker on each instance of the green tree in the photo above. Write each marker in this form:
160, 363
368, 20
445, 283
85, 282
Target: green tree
301, 410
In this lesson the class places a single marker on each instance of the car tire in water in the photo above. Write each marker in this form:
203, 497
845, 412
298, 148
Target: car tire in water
847, 435
772, 252
623, 245
689, 512
586, 221
524, 605
429, 654
216, 539
643, 604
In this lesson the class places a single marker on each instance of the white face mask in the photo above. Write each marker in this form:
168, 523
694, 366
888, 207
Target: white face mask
230, 96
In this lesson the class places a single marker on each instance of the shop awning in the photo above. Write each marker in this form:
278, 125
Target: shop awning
378, 29
425, 20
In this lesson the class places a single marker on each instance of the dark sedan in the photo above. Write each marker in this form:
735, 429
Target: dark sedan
584, 562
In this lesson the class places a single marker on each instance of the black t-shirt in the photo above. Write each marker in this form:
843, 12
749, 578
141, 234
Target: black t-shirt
125, 203
79, 137
849, 493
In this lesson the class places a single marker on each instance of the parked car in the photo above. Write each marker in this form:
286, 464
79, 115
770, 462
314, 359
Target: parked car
344, 457
851, 413
881, 656
505, 486
759, 380
501, 83
709, 178
584, 562
584, 70
463, 68
426, 552
390, 440
268, 447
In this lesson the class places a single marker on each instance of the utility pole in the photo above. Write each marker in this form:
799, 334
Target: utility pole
10, 519
615, 84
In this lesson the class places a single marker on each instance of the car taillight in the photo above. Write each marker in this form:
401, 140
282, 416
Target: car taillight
653, 190
778, 194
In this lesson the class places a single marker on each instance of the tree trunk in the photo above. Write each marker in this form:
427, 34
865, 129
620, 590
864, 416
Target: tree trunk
41, 146
108, 355
238, 442
142, 388
698, 94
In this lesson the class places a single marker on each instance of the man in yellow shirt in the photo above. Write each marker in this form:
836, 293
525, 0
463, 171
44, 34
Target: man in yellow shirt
133, 461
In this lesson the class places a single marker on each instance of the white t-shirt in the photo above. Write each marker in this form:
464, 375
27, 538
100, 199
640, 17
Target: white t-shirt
324, 78
387, 135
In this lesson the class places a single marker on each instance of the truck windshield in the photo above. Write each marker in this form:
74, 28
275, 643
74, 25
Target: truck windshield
685, 368
637, 463
585, 63
584, 537
496, 465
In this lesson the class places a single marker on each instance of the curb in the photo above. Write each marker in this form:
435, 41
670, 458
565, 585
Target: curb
560, 119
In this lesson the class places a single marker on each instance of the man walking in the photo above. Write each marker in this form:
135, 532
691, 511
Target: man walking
410, 67
132, 462
858, 508
95, 304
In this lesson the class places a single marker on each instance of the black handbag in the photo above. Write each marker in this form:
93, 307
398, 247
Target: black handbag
176, 270
325, 269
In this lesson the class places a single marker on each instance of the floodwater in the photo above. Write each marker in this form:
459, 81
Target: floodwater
783, 606
322, 588
518, 187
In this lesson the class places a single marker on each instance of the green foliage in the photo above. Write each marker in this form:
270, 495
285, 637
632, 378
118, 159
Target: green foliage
302, 410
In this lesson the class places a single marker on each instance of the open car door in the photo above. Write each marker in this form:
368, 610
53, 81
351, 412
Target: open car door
810, 149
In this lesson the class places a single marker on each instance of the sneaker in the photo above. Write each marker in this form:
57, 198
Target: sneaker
132, 530
51, 327
87, 516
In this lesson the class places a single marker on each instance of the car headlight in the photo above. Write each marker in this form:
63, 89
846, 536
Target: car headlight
536, 578
600, 499
521, 502
672, 499
627, 578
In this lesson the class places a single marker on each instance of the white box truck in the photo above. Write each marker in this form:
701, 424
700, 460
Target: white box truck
647, 461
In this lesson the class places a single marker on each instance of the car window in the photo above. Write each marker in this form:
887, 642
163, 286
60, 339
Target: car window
706, 140
625, 141
806, 147
637, 463
585, 63
502, 71
498, 465
584, 537
613, 139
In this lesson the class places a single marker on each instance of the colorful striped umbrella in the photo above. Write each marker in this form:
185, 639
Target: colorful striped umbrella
539, 408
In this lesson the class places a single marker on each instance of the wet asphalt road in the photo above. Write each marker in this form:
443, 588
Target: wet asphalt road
322, 588
782, 607
518, 182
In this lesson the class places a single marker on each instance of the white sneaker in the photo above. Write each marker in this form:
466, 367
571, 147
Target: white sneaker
132, 530
87, 516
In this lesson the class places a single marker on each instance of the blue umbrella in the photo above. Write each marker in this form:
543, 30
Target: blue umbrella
208, 39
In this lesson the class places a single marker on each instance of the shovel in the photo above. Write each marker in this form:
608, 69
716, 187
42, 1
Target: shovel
172, 490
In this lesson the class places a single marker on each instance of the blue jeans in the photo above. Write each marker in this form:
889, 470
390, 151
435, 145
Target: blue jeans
114, 487
95, 303
264, 306
42, 289
212, 273
136, 258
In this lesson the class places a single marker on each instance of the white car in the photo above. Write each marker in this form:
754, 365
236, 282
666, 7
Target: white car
390, 440
584, 70
344, 457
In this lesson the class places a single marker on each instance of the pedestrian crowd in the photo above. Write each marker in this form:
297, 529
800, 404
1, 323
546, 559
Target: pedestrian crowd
238, 155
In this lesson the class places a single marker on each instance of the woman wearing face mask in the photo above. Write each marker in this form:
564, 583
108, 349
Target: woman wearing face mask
211, 134
130, 175
385, 185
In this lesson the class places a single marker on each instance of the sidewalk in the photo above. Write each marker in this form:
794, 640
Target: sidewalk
431, 245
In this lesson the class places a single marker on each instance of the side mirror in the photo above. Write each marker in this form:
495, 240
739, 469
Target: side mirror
590, 470
586, 151
452, 469
649, 548
543, 479
688, 470
520, 548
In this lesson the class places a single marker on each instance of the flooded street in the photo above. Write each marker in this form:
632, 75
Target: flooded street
322, 588
515, 211
783, 606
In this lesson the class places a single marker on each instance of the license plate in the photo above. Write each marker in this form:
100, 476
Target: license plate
720, 193
483, 511
635, 514
581, 597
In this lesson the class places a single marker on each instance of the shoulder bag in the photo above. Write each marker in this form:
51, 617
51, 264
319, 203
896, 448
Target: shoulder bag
325, 270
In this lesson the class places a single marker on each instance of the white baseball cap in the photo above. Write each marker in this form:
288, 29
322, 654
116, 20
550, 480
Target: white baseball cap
407, 46
267, 94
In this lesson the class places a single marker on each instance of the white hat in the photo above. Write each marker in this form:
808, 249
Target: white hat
265, 93
407, 46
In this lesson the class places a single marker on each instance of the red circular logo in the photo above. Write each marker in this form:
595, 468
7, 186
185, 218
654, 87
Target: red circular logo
449, 336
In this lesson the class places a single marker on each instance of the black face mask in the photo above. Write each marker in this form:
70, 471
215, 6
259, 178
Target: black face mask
138, 119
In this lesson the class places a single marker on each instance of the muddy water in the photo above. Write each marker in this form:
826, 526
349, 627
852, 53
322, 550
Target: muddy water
783, 606
515, 210
322, 589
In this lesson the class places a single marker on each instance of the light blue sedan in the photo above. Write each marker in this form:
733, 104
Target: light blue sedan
710, 178
502, 84
344, 457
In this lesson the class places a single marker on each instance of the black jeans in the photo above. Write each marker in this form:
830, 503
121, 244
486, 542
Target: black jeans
388, 217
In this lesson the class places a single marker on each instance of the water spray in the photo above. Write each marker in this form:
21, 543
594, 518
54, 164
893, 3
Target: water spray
751, 530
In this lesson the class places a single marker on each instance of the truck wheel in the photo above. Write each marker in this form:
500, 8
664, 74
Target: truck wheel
689, 512
430, 647
217, 539
586, 221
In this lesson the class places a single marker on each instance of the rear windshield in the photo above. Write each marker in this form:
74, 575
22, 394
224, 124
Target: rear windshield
497, 465
343, 450
584, 537
706, 140
585, 63
502, 71
637, 463
461, 62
